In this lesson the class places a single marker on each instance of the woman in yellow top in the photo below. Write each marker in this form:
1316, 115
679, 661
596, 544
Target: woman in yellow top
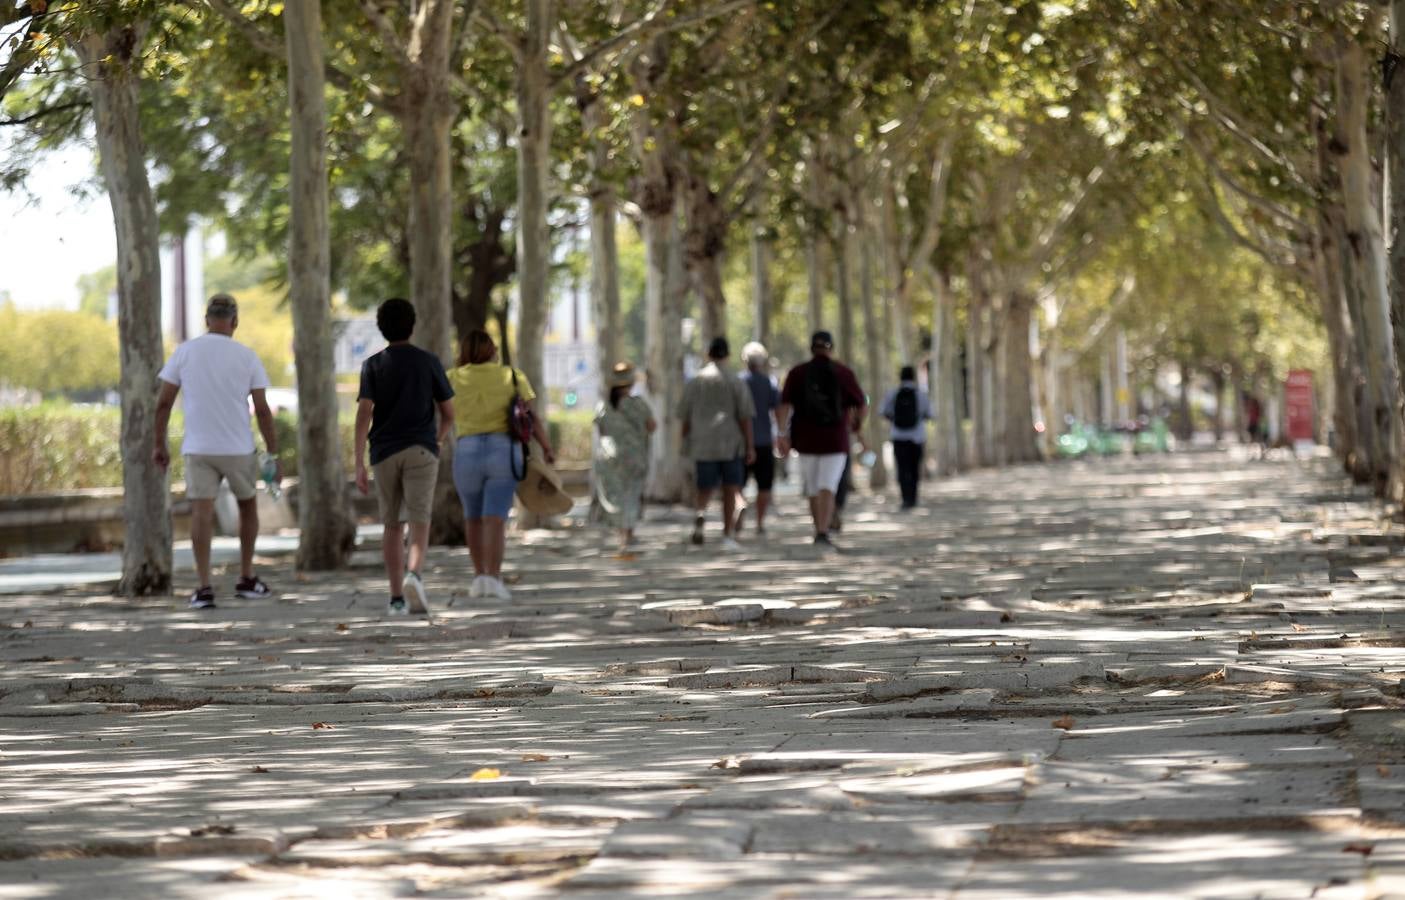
487, 459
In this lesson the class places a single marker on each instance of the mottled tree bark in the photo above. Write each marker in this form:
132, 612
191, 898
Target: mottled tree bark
533, 173
326, 523
761, 300
656, 193
1395, 144
113, 61
1366, 255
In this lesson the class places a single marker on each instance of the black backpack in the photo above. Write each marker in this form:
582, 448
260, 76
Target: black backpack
905, 408
819, 398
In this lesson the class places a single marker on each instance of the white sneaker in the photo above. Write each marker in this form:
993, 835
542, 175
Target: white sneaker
493, 587
730, 544
478, 588
415, 595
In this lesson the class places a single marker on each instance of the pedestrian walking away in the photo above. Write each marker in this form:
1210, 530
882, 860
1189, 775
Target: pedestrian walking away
219, 376
716, 412
907, 409
402, 388
488, 459
622, 455
822, 408
765, 397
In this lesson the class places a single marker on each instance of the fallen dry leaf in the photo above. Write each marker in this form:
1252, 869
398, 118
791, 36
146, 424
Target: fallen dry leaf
1006, 617
485, 774
1065, 723
484, 692
259, 770
1383, 771
728, 762
1286, 708
341, 626
1298, 628
535, 757
205, 830
1363, 849
322, 725
267, 658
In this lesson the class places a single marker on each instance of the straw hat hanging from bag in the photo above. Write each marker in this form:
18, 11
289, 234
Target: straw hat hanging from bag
538, 484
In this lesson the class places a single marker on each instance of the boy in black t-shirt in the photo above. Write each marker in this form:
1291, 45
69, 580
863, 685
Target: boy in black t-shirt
401, 388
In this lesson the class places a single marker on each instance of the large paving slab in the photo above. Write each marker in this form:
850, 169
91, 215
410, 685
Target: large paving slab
1176, 676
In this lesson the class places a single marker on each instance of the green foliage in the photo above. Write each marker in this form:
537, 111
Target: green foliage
58, 447
56, 351
94, 290
572, 434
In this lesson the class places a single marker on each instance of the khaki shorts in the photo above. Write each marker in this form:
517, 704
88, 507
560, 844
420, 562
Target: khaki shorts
406, 479
203, 472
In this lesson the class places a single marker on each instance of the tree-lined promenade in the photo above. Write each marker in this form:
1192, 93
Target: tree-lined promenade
1046, 203
1175, 676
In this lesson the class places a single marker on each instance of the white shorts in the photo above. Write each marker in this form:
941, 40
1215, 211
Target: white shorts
821, 472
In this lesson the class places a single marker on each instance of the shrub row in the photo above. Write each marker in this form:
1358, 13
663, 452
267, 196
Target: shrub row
62, 447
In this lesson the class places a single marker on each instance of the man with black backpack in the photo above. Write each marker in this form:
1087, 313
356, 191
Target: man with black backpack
907, 410
821, 408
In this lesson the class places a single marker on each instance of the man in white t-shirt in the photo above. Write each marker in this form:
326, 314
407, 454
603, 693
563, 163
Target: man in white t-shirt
219, 376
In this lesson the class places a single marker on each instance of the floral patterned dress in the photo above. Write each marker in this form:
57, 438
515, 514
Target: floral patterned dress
622, 459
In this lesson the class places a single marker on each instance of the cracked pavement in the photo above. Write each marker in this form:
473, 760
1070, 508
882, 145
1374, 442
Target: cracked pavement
1174, 676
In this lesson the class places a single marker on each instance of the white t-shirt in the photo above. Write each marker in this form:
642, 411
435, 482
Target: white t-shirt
215, 374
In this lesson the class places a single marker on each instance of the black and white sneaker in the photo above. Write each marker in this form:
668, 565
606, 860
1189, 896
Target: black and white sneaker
252, 589
396, 606
202, 599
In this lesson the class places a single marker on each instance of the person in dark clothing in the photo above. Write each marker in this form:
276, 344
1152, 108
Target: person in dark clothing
822, 407
402, 387
907, 410
766, 395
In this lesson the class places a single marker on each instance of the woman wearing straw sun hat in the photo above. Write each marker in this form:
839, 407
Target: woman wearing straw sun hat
622, 458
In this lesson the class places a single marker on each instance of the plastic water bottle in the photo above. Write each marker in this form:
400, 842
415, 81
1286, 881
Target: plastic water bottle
268, 471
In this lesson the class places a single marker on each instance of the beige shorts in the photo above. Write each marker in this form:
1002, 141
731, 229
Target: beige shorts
406, 479
203, 473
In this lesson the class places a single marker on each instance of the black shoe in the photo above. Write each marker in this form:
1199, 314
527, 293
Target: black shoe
202, 599
252, 588
835, 523
396, 606
697, 537
822, 540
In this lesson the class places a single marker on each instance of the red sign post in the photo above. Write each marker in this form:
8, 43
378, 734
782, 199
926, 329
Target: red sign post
1300, 413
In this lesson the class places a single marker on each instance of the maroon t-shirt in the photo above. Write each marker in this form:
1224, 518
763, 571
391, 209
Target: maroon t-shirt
807, 436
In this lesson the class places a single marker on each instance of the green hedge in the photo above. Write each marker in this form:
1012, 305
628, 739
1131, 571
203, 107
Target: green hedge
63, 447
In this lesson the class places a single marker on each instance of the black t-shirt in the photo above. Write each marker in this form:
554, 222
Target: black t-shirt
404, 384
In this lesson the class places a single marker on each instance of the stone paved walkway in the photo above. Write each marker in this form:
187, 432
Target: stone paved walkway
1166, 677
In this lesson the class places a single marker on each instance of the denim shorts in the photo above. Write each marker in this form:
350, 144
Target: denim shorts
712, 472
483, 474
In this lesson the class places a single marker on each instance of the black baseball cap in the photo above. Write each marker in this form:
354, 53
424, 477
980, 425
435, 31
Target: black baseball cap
822, 339
718, 349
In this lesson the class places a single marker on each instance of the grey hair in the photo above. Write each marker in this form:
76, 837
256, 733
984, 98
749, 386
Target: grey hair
755, 354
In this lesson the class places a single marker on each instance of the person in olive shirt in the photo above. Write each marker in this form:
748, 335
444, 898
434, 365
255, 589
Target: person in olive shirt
716, 412
401, 389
